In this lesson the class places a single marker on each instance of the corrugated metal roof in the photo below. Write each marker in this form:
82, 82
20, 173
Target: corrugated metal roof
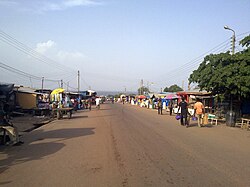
26, 90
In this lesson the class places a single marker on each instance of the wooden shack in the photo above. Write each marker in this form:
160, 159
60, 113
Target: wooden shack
26, 98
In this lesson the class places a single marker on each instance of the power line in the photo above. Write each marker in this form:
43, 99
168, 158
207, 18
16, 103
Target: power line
189, 66
13, 70
194, 61
243, 33
69, 86
22, 73
177, 72
29, 51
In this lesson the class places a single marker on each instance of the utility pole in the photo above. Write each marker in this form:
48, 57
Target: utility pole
182, 85
78, 81
148, 86
42, 83
78, 84
61, 83
230, 116
141, 85
233, 43
233, 38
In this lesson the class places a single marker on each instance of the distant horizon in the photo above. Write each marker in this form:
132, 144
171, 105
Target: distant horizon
106, 93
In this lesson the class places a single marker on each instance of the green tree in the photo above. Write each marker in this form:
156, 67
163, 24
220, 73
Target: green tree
245, 42
224, 73
173, 88
143, 90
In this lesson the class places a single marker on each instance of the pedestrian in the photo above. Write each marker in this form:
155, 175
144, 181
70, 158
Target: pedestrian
199, 111
89, 103
170, 106
97, 102
159, 106
183, 106
75, 105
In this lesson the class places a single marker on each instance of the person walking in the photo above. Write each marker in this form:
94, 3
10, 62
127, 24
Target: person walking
170, 106
89, 103
199, 111
97, 102
159, 106
183, 106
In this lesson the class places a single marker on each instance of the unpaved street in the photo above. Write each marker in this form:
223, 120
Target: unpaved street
124, 145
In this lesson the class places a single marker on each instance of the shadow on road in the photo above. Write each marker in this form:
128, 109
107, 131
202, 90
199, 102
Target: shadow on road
96, 109
102, 116
38, 147
78, 117
105, 108
204, 126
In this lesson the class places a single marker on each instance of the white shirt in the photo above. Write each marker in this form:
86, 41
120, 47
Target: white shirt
97, 101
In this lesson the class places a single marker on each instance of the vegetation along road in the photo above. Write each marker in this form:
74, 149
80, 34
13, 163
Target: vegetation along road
124, 145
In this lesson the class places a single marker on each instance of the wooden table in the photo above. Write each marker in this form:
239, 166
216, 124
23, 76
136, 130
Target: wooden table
40, 111
244, 124
216, 120
62, 111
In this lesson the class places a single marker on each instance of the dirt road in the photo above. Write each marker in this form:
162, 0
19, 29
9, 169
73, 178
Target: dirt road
124, 145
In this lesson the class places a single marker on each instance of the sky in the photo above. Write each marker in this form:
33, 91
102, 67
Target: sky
114, 44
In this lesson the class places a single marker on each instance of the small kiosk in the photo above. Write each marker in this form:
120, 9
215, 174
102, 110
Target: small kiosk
60, 104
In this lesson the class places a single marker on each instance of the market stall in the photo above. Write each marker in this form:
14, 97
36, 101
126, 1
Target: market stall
60, 104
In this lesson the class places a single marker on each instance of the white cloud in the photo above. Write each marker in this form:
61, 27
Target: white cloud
51, 6
65, 4
72, 3
69, 57
45, 46
49, 49
38, 6
8, 3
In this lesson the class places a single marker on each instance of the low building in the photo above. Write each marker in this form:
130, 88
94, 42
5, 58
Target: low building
191, 96
27, 98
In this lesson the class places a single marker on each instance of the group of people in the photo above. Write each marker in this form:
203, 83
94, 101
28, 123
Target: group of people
198, 114
86, 103
199, 111
97, 101
160, 106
